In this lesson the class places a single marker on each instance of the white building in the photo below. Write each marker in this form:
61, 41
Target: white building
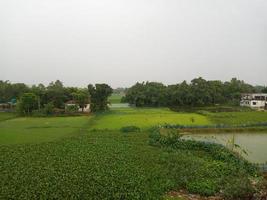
254, 100
85, 109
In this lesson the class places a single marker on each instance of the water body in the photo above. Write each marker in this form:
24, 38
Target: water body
255, 144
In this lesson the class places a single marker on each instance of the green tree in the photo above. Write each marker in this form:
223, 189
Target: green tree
234, 89
264, 90
99, 96
10, 91
81, 97
48, 109
55, 94
27, 103
146, 94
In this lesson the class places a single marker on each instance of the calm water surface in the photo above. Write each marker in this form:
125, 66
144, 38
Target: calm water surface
255, 144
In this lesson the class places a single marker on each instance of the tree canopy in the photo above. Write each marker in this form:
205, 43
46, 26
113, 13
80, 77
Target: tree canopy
99, 96
199, 92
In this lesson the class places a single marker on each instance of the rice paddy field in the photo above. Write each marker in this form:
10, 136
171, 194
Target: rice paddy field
145, 118
236, 118
87, 157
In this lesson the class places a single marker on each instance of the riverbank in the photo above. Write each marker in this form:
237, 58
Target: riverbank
223, 130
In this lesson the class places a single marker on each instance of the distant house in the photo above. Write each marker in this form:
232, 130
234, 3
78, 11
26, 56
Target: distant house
5, 106
80, 109
254, 100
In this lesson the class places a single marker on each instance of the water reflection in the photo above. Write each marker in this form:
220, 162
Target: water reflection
252, 146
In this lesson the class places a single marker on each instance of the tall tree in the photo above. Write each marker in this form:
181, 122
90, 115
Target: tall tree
55, 94
81, 97
27, 103
99, 96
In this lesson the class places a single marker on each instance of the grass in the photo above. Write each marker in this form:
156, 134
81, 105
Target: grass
36, 130
145, 118
6, 116
235, 118
115, 98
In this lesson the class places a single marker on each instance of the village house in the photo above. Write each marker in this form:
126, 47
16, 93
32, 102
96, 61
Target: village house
85, 109
254, 100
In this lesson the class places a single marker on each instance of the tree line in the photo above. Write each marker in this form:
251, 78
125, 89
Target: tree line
52, 98
198, 92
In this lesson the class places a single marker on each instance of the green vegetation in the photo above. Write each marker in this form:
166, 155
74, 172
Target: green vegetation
6, 116
235, 118
28, 102
115, 98
37, 130
199, 92
212, 182
129, 129
99, 95
145, 118
93, 157
109, 165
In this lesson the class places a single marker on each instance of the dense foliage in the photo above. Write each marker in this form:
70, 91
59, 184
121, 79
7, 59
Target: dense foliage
8, 91
199, 92
28, 102
54, 93
67, 158
52, 99
99, 96
210, 183
112, 165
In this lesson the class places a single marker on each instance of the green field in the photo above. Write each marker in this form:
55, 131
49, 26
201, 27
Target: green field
36, 130
5, 116
235, 118
115, 98
110, 165
145, 118
89, 158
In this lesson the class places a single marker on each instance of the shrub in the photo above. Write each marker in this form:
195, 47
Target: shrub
38, 113
232, 181
127, 129
164, 137
48, 108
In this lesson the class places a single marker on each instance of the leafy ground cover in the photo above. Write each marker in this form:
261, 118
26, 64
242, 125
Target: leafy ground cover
76, 158
110, 165
36, 130
145, 118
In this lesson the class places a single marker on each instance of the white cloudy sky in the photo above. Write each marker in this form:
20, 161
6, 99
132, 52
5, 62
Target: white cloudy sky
120, 42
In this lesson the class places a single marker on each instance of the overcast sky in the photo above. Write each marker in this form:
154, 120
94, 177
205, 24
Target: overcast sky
120, 42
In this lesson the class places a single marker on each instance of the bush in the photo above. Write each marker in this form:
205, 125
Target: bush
232, 181
48, 109
127, 129
37, 113
164, 137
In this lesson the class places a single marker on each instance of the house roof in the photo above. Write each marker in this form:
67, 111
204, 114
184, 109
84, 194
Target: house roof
71, 102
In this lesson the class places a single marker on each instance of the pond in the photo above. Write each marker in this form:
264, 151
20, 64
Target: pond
254, 144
